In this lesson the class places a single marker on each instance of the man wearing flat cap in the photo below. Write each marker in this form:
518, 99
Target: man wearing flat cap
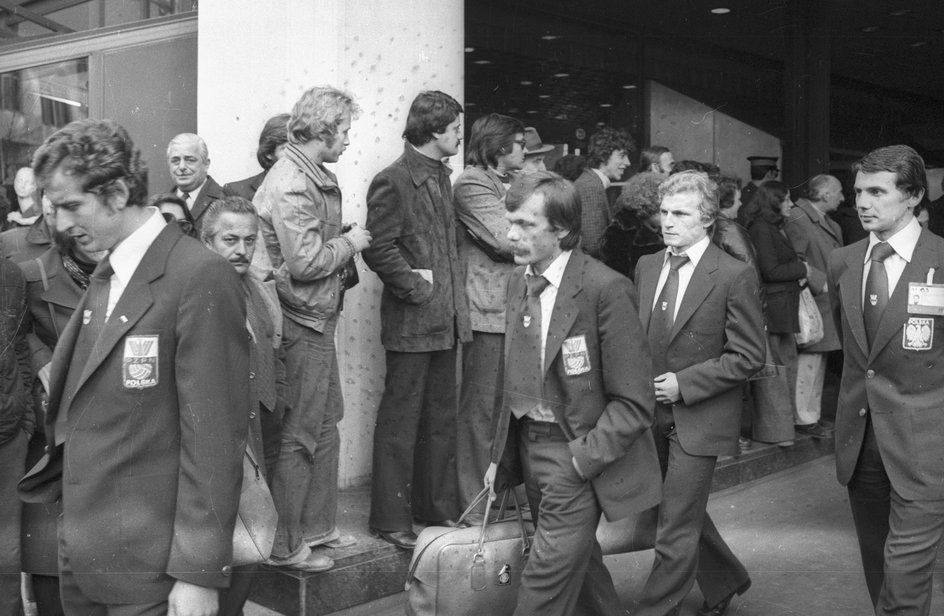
534, 152
763, 168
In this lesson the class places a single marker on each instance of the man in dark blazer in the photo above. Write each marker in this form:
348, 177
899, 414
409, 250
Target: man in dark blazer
577, 413
189, 160
706, 341
607, 159
272, 142
814, 236
890, 420
148, 397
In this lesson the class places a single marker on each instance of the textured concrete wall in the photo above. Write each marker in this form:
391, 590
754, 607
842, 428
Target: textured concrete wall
255, 60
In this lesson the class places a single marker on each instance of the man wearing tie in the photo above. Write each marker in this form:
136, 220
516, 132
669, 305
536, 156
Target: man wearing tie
189, 160
701, 311
577, 411
887, 296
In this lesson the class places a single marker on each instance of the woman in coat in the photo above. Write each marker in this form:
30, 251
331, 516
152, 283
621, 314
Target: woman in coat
781, 272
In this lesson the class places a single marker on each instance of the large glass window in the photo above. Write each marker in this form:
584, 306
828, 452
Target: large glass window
42, 18
34, 103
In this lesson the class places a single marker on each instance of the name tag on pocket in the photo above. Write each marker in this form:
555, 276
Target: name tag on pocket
925, 298
139, 365
918, 334
575, 355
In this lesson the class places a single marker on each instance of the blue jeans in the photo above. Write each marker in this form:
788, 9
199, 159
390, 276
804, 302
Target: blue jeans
305, 486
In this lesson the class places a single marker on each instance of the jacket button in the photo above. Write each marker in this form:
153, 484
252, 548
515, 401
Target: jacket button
870, 373
861, 412
252, 414
252, 375
227, 569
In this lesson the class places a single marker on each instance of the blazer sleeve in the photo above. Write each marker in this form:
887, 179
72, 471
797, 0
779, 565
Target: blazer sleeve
627, 382
744, 348
800, 231
211, 367
482, 210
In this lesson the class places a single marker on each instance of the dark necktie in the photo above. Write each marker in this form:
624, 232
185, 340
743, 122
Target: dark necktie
93, 322
876, 289
663, 314
525, 374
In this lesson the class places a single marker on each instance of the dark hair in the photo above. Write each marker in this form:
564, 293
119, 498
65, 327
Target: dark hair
431, 112
759, 172
766, 203
318, 113
561, 202
728, 188
710, 169
911, 178
96, 153
191, 226
570, 166
604, 143
696, 183
491, 135
641, 195
231, 204
274, 134
650, 156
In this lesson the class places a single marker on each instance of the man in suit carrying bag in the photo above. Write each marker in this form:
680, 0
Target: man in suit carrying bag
578, 403
888, 299
148, 394
702, 313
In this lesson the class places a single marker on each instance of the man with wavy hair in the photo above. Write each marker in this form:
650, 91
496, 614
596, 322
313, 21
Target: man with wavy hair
312, 253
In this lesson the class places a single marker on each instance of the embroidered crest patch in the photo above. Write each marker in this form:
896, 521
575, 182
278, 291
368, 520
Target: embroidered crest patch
575, 355
139, 366
918, 334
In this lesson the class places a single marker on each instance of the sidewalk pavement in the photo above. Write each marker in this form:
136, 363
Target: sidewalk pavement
793, 531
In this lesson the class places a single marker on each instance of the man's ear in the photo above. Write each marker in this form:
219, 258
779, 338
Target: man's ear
119, 195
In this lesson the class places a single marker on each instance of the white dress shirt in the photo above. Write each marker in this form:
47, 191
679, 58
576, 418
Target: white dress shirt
903, 242
193, 194
603, 177
694, 253
127, 255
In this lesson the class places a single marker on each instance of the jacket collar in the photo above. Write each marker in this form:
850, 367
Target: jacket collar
422, 167
321, 177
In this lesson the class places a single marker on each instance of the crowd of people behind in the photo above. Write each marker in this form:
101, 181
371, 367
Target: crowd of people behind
610, 344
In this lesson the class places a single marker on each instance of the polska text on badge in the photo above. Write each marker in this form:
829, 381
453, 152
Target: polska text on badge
575, 354
139, 365
918, 334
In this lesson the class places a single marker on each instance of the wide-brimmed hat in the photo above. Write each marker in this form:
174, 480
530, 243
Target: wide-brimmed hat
533, 144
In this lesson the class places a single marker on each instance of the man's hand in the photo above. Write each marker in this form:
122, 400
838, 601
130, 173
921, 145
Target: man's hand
187, 599
667, 388
425, 274
358, 236
489, 479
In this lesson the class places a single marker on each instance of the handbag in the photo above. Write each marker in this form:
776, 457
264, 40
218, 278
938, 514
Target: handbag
811, 321
256, 518
469, 571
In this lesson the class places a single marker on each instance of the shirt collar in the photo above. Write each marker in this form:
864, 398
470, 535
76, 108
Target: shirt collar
319, 174
694, 252
127, 255
422, 167
606, 181
903, 241
193, 193
554, 273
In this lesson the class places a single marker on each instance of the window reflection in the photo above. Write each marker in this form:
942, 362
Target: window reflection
42, 18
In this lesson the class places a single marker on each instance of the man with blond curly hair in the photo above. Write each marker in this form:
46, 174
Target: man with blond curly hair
312, 253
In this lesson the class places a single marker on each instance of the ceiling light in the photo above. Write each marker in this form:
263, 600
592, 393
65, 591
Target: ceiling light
900, 12
544, 96
483, 61
469, 49
527, 83
561, 75
918, 44
513, 110
720, 11
470, 104
532, 111
629, 86
605, 105
549, 37
870, 29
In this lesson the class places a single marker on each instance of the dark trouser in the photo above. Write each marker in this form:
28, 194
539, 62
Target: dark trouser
12, 468
688, 545
233, 599
479, 407
565, 569
414, 470
898, 538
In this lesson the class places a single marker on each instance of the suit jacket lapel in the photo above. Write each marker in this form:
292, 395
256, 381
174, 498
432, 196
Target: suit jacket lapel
896, 312
850, 290
565, 308
698, 288
648, 279
823, 221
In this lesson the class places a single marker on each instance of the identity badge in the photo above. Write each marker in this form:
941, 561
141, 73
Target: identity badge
925, 298
918, 334
576, 356
139, 366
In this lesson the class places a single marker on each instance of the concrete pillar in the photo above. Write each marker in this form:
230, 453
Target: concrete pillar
255, 60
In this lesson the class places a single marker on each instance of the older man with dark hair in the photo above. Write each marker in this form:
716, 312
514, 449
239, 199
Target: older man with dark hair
147, 405
312, 251
577, 407
423, 314
886, 295
607, 159
701, 311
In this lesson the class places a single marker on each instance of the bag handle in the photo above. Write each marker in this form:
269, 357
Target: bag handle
484, 494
